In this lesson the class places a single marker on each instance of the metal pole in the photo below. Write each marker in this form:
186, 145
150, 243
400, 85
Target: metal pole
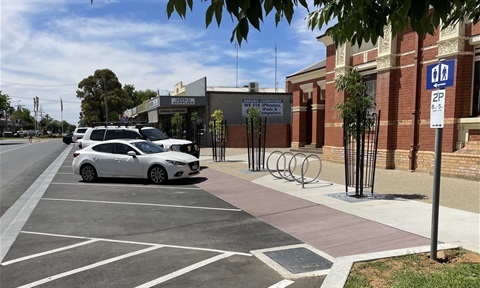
436, 192
106, 101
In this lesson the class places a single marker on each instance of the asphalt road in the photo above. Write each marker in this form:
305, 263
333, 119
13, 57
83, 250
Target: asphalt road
126, 233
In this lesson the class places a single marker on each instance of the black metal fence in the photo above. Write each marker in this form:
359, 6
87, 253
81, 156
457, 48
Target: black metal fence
360, 152
218, 133
256, 138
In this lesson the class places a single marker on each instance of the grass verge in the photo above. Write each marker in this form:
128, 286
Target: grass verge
455, 268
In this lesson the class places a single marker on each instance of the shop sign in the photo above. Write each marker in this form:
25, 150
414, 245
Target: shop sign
267, 107
183, 101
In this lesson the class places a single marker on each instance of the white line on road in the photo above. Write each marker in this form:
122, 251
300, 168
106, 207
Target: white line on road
139, 243
10, 150
13, 220
184, 270
88, 267
125, 185
143, 204
282, 284
49, 252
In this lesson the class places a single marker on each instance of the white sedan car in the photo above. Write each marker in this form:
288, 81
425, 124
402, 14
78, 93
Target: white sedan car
133, 159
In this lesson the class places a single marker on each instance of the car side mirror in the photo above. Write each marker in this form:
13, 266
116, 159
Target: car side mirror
132, 153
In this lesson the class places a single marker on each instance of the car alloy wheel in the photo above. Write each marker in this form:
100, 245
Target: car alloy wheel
157, 174
88, 173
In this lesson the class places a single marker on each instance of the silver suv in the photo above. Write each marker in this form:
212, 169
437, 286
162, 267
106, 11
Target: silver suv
102, 133
78, 133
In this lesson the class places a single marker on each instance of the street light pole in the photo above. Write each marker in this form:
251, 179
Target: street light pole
106, 101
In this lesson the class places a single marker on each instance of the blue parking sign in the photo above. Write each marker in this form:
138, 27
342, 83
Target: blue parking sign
440, 75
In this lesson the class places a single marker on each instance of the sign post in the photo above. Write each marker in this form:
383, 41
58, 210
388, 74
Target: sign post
437, 122
439, 76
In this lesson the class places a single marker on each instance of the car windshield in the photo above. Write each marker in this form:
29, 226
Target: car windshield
154, 134
148, 147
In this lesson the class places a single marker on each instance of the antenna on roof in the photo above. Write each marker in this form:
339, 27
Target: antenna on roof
276, 67
236, 70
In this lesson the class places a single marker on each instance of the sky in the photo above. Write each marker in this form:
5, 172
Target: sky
49, 46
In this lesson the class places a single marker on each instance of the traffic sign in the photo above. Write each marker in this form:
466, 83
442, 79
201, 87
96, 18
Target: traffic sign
437, 109
440, 75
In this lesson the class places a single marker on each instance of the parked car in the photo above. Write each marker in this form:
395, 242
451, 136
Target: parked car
20, 134
133, 159
103, 133
78, 133
67, 138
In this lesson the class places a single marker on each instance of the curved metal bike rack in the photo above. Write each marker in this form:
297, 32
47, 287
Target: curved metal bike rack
287, 171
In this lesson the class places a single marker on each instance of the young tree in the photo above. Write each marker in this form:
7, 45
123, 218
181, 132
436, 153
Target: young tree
358, 21
357, 103
216, 123
177, 124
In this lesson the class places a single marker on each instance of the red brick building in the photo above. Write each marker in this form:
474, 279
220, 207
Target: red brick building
395, 71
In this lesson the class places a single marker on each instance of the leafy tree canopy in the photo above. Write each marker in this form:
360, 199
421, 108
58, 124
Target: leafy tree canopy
140, 96
25, 118
92, 91
4, 101
358, 21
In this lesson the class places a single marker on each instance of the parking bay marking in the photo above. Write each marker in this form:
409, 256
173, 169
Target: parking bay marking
137, 243
49, 252
282, 284
223, 254
184, 270
125, 185
143, 204
88, 267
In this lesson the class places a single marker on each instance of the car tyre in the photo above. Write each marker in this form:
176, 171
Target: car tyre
88, 173
157, 174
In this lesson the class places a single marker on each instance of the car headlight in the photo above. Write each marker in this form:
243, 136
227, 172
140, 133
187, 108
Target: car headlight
177, 163
175, 148
195, 147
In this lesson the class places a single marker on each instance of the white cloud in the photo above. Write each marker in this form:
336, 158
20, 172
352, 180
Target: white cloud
49, 47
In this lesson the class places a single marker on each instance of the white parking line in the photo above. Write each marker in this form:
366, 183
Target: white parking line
88, 267
282, 284
139, 243
143, 204
184, 270
124, 185
49, 252
12, 221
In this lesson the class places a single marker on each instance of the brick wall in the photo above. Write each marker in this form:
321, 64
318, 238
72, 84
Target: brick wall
278, 136
475, 29
465, 166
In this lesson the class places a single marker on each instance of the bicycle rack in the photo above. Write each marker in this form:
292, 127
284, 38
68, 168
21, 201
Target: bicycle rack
284, 171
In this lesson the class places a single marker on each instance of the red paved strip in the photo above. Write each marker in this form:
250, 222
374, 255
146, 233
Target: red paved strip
331, 231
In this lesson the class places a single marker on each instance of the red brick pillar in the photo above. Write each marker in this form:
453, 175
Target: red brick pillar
299, 118
318, 117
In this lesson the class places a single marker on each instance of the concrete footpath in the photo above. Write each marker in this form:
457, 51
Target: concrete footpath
394, 220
